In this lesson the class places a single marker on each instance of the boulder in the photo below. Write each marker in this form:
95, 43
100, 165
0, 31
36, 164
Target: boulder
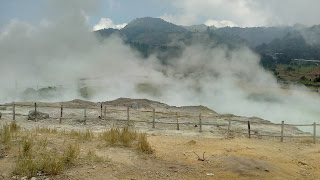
40, 115
134, 105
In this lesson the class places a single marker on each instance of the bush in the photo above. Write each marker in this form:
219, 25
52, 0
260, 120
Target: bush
289, 69
143, 144
303, 78
127, 138
316, 80
116, 137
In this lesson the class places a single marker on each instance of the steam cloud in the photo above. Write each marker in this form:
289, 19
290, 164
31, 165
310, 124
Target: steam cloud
62, 51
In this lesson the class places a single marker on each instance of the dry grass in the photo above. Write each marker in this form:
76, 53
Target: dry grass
117, 137
37, 158
45, 130
93, 157
79, 135
7, 132
43, 151
5, 135
143, 144
127, 138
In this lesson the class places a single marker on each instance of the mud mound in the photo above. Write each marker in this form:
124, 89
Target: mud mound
79, 103
142, 103
197, 109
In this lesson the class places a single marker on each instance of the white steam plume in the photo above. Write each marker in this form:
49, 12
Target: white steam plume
65, 50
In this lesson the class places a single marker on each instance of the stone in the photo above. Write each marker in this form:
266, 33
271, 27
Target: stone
40, 115
134, 105
33, 178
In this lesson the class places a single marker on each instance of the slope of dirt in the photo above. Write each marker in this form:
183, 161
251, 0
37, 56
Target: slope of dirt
142, 103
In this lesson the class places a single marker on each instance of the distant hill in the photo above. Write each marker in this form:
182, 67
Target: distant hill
256, 35
199, 28
152, 31
154, 35
294, 45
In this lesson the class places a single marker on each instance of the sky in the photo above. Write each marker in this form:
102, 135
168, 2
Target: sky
220, 13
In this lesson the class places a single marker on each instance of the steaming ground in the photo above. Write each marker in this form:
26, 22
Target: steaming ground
59, 51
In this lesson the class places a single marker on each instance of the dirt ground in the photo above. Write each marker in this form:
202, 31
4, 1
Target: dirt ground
175, 152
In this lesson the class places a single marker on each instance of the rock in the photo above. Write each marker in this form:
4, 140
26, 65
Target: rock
192, 142
134, 105
33, 178
3, 156
40, 115
0, 115
24, 178
302, 163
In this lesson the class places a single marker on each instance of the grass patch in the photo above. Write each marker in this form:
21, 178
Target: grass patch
14, 127
43, 151
80, 135
117, 137
45, 130
34, 158
5, 134
93, 157
143, 144
127, 138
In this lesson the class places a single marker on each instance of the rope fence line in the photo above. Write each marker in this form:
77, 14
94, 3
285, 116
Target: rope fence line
175, 115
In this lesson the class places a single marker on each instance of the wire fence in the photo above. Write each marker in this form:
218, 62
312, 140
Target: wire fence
84, 114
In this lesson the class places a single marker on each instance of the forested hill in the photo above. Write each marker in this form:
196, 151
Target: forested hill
151, 35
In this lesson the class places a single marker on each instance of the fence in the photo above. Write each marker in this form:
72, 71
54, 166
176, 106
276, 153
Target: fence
173, 117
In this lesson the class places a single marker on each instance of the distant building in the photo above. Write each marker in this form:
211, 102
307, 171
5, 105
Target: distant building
315, 73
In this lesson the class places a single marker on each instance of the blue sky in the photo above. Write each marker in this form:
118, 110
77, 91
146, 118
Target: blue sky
120, 11
244, 13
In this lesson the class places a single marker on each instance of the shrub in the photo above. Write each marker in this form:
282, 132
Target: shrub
117, 137
143, 144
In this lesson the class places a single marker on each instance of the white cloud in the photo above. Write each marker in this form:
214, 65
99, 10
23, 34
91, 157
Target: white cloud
218, 24
244, 13
106, 23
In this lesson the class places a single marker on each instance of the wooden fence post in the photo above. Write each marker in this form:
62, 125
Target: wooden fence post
85, 115
200, 123
61, 110
314, 132
101, 111
249, 131
105, 112
282, 129
177, 116
128, 116
153, 118
229, 128
35, 112
14, 111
